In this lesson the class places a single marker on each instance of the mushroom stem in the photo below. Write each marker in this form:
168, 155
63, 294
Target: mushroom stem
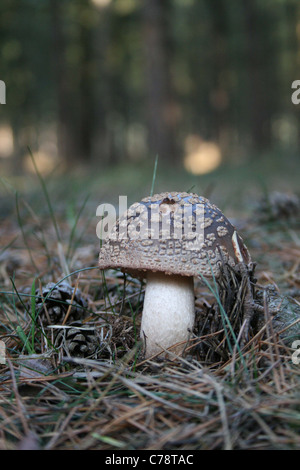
168, 313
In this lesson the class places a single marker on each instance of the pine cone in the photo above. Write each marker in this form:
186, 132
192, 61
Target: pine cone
278, 206
55, 301
78, 340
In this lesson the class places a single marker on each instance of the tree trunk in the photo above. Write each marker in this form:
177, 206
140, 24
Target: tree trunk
86, 84
160, 106
67, 148
219, 92
257, 85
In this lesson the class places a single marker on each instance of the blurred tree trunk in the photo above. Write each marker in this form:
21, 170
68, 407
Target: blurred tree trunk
161, 111
67, 148
257, 62
219, 99
86, 81
101, 148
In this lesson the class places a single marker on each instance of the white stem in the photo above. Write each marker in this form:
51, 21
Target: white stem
169, 312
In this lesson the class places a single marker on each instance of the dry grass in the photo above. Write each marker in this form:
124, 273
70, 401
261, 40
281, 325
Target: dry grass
223, 394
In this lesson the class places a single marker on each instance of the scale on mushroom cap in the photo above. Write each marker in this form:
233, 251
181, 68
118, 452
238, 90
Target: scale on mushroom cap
168, 239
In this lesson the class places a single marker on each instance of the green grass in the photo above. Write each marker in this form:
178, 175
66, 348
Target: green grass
233, 186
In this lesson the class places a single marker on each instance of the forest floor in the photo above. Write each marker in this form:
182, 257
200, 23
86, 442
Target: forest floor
72, 372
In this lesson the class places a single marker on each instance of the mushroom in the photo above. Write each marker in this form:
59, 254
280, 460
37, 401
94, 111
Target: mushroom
168, 239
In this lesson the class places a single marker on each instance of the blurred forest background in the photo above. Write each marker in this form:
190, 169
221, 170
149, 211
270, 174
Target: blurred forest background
101, 83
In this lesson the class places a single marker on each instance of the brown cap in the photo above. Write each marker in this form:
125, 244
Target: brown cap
174, 233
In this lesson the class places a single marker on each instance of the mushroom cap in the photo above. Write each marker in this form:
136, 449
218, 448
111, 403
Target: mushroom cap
174, 233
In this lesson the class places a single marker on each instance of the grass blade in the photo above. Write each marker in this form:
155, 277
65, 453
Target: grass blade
22, 231
72, 234
44, 188
154, 176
